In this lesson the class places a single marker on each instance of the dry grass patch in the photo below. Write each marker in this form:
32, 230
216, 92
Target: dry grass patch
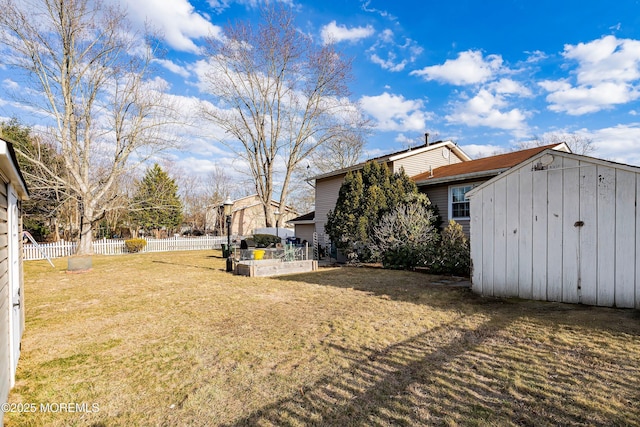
171, 339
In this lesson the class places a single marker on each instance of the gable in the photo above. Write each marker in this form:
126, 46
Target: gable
484, 167
550, 159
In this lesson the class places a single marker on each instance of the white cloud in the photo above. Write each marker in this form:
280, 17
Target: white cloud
590, 99
10, 84
484, 109
391, 55
177, 20
220, 5
620, 143
395, 113
469, 68
173, 67
334, 33
476, 151
607, 74
509, 87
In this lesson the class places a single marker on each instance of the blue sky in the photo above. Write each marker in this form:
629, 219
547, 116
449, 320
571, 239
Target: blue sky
486, 74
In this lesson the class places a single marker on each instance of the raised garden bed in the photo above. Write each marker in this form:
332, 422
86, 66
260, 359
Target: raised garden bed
274, 267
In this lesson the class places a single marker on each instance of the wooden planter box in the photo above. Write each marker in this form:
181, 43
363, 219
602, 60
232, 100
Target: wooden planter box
274, 267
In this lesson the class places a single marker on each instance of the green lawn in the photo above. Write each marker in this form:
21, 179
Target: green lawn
171, 339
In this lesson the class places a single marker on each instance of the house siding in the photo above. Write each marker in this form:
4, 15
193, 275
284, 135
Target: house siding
439, 196
414, 165
305, 232
327, 191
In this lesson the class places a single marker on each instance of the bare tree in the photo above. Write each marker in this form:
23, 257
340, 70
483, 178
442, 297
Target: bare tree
88, 74
578, 144
278, 97
338, 153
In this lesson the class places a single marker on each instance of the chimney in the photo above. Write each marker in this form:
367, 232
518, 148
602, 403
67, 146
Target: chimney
426, 139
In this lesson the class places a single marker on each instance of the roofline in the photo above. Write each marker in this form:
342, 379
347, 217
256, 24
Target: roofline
395, 156
553, 152
463, 177
9, 162
562, 146
303, 222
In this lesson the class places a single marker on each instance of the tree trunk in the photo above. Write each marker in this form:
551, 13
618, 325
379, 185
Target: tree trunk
85, 245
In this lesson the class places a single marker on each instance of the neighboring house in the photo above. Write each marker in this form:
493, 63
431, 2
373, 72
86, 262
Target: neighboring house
247, 214
559, 227
12, 190
447, 186
414, 161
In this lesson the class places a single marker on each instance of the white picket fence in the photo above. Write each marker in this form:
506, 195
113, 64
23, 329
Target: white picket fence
117, 247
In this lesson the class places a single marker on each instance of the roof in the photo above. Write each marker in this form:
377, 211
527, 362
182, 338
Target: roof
9, 164
397, 156
486, 166
274, 203
306, 218
584, 160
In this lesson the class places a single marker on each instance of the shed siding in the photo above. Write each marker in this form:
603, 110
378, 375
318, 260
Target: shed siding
570, 233
625, 247
512, 250
588, 236
5, 300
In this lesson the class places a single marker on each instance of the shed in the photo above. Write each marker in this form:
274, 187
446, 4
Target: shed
558, 227
12, 190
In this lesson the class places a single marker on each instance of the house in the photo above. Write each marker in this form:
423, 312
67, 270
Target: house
558, 227
12, 191
304, 226
447, 186
414, 161
247, 214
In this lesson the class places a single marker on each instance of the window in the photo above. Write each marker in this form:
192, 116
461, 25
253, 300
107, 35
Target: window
459, 202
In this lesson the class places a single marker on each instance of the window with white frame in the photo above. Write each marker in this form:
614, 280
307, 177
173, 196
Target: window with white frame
459, 203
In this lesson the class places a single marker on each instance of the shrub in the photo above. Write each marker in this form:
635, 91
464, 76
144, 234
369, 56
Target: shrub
135, 245
453, 255
264, 240
405, 237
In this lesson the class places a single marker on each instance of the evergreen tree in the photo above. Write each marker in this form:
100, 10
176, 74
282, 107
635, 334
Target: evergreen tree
156, 203
364, 197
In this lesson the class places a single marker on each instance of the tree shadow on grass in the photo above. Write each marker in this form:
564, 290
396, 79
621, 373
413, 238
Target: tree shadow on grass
502, 362
469, 375
182, 264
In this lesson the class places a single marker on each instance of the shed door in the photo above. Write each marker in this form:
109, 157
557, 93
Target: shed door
14, 280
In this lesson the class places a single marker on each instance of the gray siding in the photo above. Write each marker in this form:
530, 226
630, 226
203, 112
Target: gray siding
327, 191
305, 232
439, 196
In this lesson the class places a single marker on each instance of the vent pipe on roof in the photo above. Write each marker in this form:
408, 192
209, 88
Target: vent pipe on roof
426, 139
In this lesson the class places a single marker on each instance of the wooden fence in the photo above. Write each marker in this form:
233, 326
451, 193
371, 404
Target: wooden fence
117, 247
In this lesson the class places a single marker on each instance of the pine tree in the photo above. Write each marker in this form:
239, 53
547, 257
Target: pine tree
364, 197
156, 203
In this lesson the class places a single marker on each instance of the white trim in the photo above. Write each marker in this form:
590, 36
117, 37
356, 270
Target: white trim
450, 199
